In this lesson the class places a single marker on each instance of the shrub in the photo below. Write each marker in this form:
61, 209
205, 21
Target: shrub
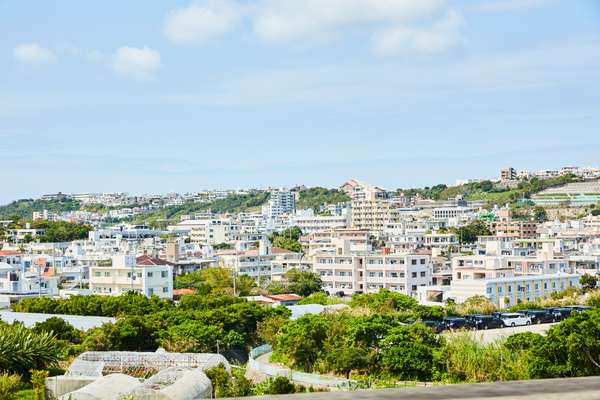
9, 384
22, 350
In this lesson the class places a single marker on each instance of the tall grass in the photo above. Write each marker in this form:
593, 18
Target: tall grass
467, 360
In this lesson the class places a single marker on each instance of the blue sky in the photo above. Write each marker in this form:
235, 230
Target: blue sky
154, 96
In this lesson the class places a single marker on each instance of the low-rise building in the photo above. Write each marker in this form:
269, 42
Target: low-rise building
146, 275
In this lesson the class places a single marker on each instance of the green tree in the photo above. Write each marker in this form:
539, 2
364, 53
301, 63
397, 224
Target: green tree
588, 281
193, 337
571, 348
539, 214
346, 359
300, 342
469, 233
60, 328
303, 283
408, 352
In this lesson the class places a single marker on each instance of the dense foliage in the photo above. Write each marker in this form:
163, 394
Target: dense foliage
234, 203
23, 209
489, 191
61, 231
468, 233
303, 283
373, 338
22, 350
287, 239
198, 323
216, 281
316, 196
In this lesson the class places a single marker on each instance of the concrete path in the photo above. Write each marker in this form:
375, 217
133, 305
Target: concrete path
547, 389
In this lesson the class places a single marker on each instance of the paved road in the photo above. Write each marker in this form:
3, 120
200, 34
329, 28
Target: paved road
548, 389
491, 335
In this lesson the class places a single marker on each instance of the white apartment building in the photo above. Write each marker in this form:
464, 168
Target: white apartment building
351, 274
281, 202
308, 222
509, 279
510, 290
44, 215
19, 279
373, 215
329, 242
215, 231
146, 275
257, 263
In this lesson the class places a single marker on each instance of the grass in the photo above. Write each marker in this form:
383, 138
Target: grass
26, 394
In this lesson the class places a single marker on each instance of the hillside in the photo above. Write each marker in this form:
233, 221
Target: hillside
314, 197
307, 198
491, 192
25, 208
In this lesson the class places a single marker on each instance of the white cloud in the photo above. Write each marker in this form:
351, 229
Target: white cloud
33, 53
202, 21
290, 20
498, 6
441, 35
137, 63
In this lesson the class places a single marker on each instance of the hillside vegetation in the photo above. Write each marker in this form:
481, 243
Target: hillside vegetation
24, 208
314, 197
490, 191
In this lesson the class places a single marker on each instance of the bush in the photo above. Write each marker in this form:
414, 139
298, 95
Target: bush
9, 385
22, 350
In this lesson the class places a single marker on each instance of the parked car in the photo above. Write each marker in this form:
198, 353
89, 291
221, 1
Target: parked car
538, 316
579, 308
457, 323
560, 313
436, 326
515, 319
481, 321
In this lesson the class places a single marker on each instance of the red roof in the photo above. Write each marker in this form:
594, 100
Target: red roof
147, 260
9, 253
182, 292
284, 297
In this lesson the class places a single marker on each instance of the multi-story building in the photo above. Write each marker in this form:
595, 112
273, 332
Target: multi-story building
308, 222
281, 202
44, 215
146, 275
351, 274
329, 241
358, 190
505, 226
508, 174
509, 279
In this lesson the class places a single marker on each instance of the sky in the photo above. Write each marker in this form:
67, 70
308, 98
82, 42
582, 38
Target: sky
158, 96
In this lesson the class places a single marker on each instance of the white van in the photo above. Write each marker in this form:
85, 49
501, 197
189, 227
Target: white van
514, 319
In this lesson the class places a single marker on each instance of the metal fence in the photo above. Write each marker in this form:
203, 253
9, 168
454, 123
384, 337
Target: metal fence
296, 376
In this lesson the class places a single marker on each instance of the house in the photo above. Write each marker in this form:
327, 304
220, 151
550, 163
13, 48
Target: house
146, 275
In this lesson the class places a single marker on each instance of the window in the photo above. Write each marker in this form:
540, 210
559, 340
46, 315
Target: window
422, 261
107, 274
414, 262
414, 288
165, 290
150, 274
422, 274
163, 274
414, 274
